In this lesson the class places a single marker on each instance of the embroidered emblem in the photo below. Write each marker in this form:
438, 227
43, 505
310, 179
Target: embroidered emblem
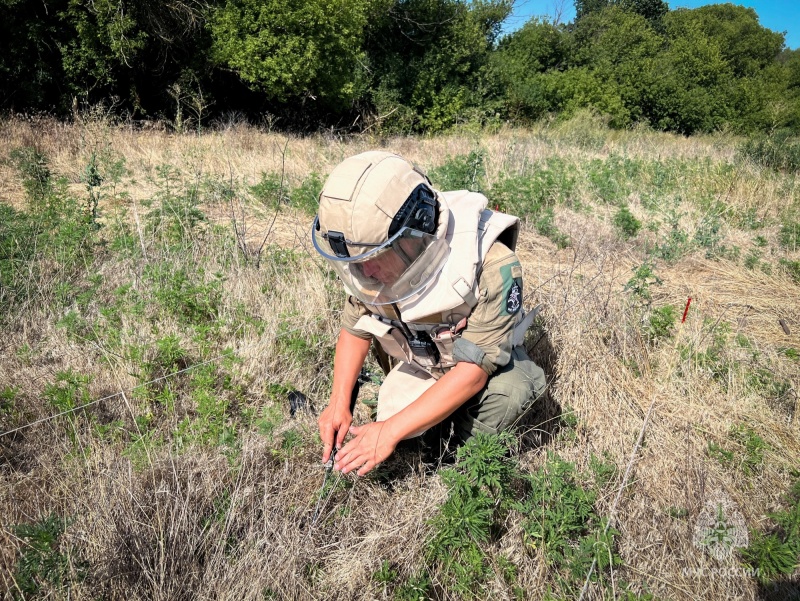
514, 298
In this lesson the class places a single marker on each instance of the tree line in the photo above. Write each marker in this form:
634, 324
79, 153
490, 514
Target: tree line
400, 65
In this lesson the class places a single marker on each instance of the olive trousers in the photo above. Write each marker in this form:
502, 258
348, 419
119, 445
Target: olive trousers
509, 393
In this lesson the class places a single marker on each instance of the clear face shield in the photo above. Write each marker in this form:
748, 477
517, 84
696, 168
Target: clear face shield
386, 273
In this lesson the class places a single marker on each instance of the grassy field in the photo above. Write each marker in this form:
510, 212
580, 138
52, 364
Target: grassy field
167, 283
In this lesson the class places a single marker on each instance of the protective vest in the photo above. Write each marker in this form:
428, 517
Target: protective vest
422, 330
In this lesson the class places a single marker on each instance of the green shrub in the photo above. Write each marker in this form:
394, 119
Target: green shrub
41, 565
644, 276
780, 151
416, 588
544, 223
481, 488
272, 190
175, 217
548, 184
306, 196
626, 224
461, 172
55, 235
185, 294
609, 179
746, 453
708, 235
36, 176
752, 449
676, 241
70, 390
561, 520
660, 323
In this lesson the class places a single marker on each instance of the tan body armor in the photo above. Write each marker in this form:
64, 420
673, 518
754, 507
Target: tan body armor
409, 330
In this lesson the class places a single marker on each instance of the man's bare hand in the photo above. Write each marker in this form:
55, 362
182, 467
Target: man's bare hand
370, 445
333, 422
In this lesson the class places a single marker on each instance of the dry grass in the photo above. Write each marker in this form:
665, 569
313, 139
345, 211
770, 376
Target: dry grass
164, 521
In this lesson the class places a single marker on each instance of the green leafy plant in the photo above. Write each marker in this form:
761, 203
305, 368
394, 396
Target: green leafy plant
481, 492
753, 448
608, 178
44, 248
560, 519
708, 236
792, 268
626, 224
36, 176
660, 323
676, 241
776, 552
416, 588
644, 277
385, 575
186, 295
272, 190
746, 453
8, 394
175, 218
42, 565
306, 196
461, 172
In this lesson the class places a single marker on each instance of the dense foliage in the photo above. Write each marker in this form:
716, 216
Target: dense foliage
398, 65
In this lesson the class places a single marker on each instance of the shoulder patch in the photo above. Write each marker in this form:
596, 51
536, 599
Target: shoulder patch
512, 288
514, 297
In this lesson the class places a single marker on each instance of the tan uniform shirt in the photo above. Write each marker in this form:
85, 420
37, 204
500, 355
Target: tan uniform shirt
487, 338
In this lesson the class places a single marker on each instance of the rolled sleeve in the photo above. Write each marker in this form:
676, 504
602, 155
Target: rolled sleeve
353, 311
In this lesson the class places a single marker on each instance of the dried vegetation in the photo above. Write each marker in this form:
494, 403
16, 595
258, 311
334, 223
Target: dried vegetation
194, 308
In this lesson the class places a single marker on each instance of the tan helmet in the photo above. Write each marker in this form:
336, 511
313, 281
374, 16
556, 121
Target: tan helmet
380, 226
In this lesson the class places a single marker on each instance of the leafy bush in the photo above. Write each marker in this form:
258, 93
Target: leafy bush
42, 567
55, 235
271, 190
626, 224
186, 295
676, 241
461, 172
660, 323
558, 516
780, 151
644, 276
36, 177
792, 268
708, 235
480, 495
306, 196
533, 196
746, 453
176, 217
610, 179
546, 184
561, 520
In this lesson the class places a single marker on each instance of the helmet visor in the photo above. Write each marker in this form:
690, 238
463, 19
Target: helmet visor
397, 269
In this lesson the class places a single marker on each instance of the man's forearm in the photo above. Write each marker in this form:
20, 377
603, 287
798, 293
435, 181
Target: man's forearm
351, 351
448, 394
